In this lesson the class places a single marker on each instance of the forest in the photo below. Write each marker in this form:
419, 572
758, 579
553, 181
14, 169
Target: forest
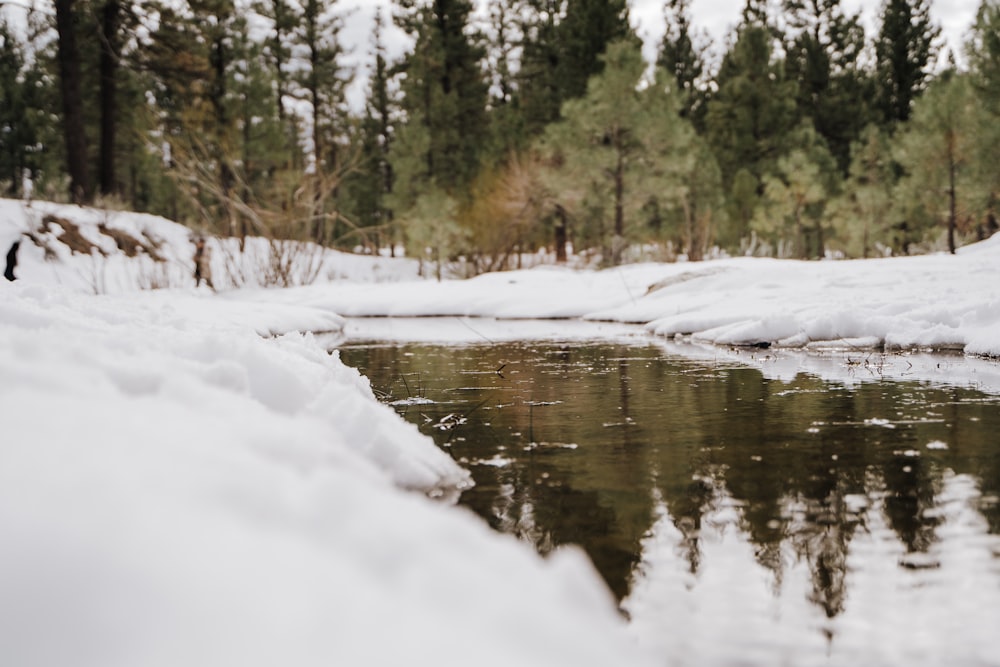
520, 127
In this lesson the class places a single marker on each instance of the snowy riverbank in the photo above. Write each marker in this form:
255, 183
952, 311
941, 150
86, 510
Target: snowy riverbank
174, 491
185, 477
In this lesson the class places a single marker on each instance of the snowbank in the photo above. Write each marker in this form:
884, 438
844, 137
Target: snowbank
108, 252
938, 302
174, 491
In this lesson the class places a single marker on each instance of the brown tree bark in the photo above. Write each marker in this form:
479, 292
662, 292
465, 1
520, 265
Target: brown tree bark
952, 196
560, 235
68, 58
109, 66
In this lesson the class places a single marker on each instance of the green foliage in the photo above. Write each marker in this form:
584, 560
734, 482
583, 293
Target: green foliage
432, 230
444, 98
936, 149
505, 129
795, 195
620, 153
823, 58
369, 185
684, 60
750, 115
861, 214
538, 94
904, 53
16, 136
583, 35
742, 202
984, 75
320, 79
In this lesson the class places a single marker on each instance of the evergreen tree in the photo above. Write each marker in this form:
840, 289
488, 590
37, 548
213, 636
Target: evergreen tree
750, 114
936, 149
261, 161
984, 65
583, 35
502, 50
904, 54
277, 46
321, 80
861, 214
619, 148
823, 57
444, 99
16, 132
795, 196
112, 15
539, 95
370, 184
74, 125
191, 55
684, 60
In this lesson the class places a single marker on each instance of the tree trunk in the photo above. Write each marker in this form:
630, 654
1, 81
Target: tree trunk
560, 235
227, 179
69, 81
952, 206
618, 241
110, 57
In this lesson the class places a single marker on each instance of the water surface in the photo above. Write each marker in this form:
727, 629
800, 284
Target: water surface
737, 519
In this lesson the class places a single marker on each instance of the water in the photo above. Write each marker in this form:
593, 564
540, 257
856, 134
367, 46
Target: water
737, 519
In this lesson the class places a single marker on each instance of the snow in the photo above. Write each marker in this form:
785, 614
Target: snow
939, 302
177, 491
188, 477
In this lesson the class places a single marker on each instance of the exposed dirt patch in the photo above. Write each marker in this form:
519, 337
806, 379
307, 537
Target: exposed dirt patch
71, 236
130, 245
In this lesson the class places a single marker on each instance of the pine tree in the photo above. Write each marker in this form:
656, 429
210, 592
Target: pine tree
823, 57
112, 17
192, 57
795, 196
16, 131
749, 116
684, 60
583, 35
936, 148
277, 45
984, 72
861, 214
321, 81
261, 164
904, 53
538, 91
504, 42
370, 184
74, 126
618, 148
444, 99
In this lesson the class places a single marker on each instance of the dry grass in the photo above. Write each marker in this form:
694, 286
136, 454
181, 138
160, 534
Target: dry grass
71, 236
130, 245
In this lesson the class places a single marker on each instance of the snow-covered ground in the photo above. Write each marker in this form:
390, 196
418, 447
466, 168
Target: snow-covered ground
186, 477
939, 302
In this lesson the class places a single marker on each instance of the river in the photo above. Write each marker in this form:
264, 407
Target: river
737, 518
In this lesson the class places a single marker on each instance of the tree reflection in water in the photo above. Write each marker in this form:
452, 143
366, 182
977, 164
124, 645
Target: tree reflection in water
606, 445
